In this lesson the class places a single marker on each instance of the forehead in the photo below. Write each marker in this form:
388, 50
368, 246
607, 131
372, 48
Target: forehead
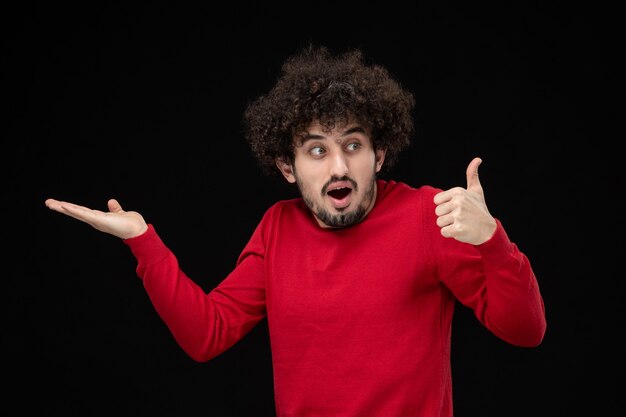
316, 131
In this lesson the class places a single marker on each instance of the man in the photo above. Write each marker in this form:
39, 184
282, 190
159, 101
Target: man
358, 277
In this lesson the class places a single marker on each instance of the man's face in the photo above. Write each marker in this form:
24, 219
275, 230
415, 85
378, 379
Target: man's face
335, 173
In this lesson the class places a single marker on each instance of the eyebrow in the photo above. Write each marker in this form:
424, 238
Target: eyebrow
357, 129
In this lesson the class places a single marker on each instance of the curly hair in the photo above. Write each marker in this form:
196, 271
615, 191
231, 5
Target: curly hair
333, 90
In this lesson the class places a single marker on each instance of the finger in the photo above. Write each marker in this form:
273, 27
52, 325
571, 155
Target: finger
448, 195
52, 204
444, 221
441, 197
444, 208
81, 213
473, 183
61, 206
446, 231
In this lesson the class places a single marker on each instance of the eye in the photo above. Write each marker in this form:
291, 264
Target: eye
353, 146
317, 151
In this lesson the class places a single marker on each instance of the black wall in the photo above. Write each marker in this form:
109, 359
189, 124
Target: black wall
143, 103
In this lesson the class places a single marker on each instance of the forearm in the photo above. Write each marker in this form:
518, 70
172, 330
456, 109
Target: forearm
513, 308
204, 325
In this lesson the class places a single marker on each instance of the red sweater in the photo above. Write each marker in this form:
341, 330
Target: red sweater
359, 317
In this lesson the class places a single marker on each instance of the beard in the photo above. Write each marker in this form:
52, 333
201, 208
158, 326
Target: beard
345, 217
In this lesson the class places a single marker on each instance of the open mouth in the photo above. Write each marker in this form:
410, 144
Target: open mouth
340, 195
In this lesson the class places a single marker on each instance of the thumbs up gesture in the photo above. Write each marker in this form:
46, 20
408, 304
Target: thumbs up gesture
462, 212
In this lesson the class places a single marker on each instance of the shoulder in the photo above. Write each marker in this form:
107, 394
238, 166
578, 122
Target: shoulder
283, 210
288, 205
405, 204
397, 190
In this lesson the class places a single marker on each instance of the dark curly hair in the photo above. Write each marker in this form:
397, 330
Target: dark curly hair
333, 90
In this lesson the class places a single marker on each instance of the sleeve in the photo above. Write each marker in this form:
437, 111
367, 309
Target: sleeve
494, 279
204, 325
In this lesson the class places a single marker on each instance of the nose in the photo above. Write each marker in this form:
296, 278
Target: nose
339, 165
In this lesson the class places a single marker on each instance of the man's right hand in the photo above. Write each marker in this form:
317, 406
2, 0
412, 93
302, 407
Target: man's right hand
117, 222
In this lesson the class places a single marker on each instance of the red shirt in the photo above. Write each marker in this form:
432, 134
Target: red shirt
359, 317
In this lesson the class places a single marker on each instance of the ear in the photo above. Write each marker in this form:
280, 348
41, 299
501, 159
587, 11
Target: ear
380, 158
286, 169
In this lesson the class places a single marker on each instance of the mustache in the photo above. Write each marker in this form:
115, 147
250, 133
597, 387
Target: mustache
338, 179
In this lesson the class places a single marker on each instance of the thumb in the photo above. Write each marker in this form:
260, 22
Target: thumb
473, 183
114, 206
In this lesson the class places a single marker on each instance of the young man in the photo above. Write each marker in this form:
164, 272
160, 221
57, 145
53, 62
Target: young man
358, 278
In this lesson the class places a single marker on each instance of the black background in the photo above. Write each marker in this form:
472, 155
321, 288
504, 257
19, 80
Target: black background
143, 103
